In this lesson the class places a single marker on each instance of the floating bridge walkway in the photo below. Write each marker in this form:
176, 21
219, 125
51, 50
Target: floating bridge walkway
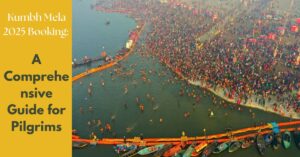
223, 137
107, 65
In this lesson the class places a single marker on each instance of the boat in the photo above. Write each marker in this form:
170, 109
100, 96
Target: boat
220, 148
129, 153
199, 148
286, 139
150, 150
276, 142
261, 145
124, 147
209, 149
247, 143
79, 145
93, 143
278, 138
268, 139
173, 151
234, 146
297, 138
189, 151
179, 154
160, 152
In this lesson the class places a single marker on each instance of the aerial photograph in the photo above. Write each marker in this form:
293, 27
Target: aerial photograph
185, 78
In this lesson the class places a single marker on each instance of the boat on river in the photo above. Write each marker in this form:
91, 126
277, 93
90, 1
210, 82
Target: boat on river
297, 138
276, 141
268, 139
189, 151
124, 147
179, 154
209, 149
79, 145
199, 148
129, 153
261, 145
246, 143
220, 148
173, 151
160, 152
286, 139
234, 146
150, 150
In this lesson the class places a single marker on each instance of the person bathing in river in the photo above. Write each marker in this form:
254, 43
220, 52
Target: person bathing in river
81, 110
99, 123
108, 127
142, 107
102, 83
137, 100
125, 90
187, 114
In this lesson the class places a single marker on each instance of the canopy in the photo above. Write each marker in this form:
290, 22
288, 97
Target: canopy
252, 40
271, 36
294, 28
298, 20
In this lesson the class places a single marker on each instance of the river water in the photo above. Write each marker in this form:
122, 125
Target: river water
90, 35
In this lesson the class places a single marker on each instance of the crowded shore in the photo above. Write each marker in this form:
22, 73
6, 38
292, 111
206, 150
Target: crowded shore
246, 54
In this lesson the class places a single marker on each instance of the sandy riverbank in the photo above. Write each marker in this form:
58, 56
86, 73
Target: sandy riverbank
268, 107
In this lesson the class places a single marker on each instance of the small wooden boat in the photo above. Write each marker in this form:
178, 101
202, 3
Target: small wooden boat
286, 139
189, 151
268, 139
93, 143
297, 138
278, 138
234, 146
247, 143
220, 148
199, 148
79, 145
129, 153
160, 152
173, 151
209, 149
276, 142
179, 154
150, 150
124, 147
261, 145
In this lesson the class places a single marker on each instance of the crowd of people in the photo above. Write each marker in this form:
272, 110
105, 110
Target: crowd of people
254, 53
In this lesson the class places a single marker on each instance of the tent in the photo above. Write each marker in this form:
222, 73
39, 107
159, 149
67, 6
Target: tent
271, 36
298, 20
294, 28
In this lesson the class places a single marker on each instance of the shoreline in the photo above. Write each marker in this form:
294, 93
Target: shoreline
268, 107
251, 103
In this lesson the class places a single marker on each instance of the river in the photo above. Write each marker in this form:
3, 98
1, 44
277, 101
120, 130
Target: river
90, 35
